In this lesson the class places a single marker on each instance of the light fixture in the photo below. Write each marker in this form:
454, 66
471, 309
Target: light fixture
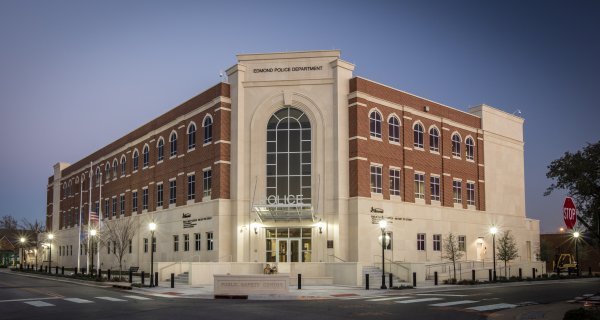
576, 234
152, 226
321, 225
51, 236
93, 232
493, 230
22, 239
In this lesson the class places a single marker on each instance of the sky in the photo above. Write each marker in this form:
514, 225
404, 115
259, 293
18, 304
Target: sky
77, 75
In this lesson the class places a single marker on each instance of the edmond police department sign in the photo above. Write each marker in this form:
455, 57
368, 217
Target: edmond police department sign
287, 69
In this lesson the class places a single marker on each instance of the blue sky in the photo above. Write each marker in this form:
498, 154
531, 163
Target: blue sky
76, 75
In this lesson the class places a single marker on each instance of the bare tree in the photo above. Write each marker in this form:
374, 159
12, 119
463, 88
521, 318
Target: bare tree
452, 251
8, 222
119, 232
34, 228
507, 249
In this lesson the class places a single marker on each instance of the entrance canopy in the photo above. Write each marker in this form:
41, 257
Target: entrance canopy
284, 212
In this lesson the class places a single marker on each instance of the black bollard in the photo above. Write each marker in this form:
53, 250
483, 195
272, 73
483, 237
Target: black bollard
75, 271
172, 280
99, 273
590, 271
473, 275
569, 272
435, 278
299, 281
143, 276
62, 270
367, 281
108, 274
495, 278
520, 274
490, 275
533, 272
156, 279
391, 280
130, 275
56, 270
414, 279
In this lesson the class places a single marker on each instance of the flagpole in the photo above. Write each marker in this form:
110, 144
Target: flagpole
79, 225
87, 259
99, 226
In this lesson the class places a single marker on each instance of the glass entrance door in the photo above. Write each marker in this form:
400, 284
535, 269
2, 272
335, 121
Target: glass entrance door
288, 250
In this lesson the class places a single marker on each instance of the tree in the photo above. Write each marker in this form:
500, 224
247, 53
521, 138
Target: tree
452, 251
579, 174
119, 232
35, 228
8, 222
507, 249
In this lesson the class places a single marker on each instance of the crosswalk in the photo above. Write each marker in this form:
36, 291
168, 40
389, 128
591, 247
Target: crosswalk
57, 301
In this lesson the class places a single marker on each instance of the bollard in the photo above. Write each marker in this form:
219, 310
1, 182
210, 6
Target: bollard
533, 272
75, 271
56, 270
143, 276
569, 272
108, 274
520, 274
558, 271
435, 278
391, 280
299, 281
578, 271
62, 270
156, 279
414, 279
172, 280
495, 278
130, 275
46, 269
490, 275
99, 273
590, 271
473, 275
367, 281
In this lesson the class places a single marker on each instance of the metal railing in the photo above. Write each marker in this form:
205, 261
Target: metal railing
395, 268
335, 257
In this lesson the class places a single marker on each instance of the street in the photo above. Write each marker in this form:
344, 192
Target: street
27, 297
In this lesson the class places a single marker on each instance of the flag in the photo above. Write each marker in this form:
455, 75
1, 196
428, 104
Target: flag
94, 218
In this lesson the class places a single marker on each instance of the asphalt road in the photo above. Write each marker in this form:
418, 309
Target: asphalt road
23, 297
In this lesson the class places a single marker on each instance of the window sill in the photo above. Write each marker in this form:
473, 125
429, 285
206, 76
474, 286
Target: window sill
173, 156
376, 138
419, 201
377, 195
172, 205
418, 148
436, 203
191, 149
458, 205
456, 157
206, 198
159, 161
191, 201
470, 160
435, 152
471, 207
207, 143
395, 198
395, 143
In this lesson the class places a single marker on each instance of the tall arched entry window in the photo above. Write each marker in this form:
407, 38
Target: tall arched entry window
289, 156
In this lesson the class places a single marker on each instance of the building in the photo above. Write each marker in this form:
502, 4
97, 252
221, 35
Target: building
552, 245
294, 160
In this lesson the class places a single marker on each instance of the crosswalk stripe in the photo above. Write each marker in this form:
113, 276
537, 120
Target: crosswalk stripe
137, 297
441, 294
77, 300
389, 298
39, 304
453, 303
490, 307
110, 299
356, 298
419, 300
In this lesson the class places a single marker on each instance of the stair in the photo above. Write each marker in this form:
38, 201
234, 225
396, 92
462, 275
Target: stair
375, 277
182, 278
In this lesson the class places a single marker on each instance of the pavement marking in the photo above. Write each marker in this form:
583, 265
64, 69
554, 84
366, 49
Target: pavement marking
361, 297
490, 307
418, 300
390, 298
441, 294
588, 295
77, 300
28, 299
453, 303
110, 299
137, 297
39, 304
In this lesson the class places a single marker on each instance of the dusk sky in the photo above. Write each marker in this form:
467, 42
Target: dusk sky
77, 75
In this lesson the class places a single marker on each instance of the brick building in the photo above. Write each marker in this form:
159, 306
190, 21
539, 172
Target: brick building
294, 160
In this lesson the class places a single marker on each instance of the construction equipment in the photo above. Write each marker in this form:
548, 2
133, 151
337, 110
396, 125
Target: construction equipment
564, 262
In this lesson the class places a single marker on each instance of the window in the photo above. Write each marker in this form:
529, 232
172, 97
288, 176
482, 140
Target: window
98, 176
375, 124
206, 183
207, 124
388, 240
394, 130
191, 194
419, 186
130, 245
462, 240
176, 243
114, 206
471, 193
434, 183
106, 208
455, 145
457, 191
145, 199
122, 203
420, 241
123, 166
209, 241
159, 195
172, 191
173, 142
418, 135
198, 238
134, 201
186, 242
395, 182
115, 168
434, 140
146, 154
160, 150
191, 136
154, 244
470, 148
145, 245
135, 160
108, 247
107, 172
437, 242
375, 179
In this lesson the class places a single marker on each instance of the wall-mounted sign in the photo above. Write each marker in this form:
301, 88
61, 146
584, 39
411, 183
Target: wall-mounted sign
274, 200
186, 215
287, 69
375, 219
193, 222
376, 210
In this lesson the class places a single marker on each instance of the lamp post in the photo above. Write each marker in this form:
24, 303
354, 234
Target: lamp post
493, 230
92, 234
22, 251
50, 237
152, 227
382, 225
576, 235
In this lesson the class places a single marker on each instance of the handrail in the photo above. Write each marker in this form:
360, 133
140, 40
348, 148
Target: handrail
336, 257
167, 266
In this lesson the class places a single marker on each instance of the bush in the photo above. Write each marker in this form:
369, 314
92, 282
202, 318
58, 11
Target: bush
401, 287
582, 314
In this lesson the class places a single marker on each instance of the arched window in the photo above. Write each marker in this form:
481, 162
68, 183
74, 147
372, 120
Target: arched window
98, 176
160, 149
375, 124
456, 145
418, 135
115, 168
107, 171
394, 128
434, 139
289, 155
173, 142
191, 136
207, 124
136, 160
470, 148
123, 165
146, 154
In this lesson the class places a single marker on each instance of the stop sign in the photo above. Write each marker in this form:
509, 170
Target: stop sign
569, 213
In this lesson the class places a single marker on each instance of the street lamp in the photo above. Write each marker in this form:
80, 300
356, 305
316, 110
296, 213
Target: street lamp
382, 225
92, 234
50, 237
22, 251
152, 227
493, 231
576, 235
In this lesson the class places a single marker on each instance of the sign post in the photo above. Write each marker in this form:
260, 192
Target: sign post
569, 213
